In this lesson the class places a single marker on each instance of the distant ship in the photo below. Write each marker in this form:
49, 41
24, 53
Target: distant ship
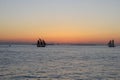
111, 43
41, 43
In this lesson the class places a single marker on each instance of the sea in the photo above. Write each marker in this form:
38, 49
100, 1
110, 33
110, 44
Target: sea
59, 62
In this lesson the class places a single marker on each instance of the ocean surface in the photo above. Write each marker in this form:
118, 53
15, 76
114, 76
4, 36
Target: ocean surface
59, 62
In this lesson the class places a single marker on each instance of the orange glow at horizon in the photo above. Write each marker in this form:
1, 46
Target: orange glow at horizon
58, 34
57, 37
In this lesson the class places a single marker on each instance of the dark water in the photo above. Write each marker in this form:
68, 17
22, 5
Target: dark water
27, 62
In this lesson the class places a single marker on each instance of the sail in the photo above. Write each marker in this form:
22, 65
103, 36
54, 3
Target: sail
41, 43
111, 43
38, 43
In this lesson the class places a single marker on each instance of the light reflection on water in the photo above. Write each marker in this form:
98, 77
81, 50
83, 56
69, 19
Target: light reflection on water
28, 62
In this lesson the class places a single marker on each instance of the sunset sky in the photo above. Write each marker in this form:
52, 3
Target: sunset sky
60, 21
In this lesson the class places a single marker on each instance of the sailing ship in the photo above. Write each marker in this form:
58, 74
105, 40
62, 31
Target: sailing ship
111, 43
41, 43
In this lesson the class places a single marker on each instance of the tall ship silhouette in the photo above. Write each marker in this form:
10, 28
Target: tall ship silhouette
111, 43
41, 43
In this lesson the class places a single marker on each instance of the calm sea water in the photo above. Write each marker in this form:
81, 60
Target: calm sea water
27, 62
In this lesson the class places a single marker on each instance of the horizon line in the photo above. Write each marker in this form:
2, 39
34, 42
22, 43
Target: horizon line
50, 43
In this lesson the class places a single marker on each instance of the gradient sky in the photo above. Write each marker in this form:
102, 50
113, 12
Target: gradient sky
71, 21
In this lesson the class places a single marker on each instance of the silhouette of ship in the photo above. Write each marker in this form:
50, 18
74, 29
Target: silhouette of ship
41, 43
111, 43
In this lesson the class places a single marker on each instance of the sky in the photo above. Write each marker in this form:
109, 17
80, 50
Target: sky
60, 21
